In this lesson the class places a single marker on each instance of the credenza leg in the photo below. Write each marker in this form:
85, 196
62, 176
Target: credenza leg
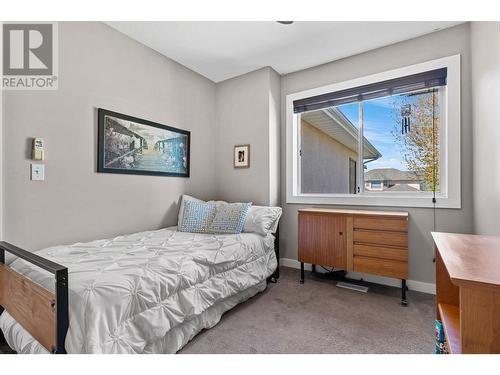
403, 293
302, 272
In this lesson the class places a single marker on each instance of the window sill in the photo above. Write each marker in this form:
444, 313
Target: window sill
379, 200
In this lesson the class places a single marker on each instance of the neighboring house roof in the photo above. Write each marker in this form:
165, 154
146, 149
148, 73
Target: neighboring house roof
333, 122
402, 187
391, 174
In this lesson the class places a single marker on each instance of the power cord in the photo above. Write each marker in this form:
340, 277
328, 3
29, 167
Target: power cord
327, 270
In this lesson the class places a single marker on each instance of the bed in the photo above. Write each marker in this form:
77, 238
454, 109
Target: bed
148, 292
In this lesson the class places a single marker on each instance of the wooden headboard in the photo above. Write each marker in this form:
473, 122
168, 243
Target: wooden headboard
42, 313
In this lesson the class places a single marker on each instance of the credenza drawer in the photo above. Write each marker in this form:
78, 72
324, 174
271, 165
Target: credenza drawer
379, 237
381, 252
382, 267
391, 224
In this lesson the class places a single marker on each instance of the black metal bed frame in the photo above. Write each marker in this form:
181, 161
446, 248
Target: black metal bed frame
61, 286
61, 289
276, 275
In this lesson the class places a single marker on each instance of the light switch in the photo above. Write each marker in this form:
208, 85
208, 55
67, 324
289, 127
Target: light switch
37, 172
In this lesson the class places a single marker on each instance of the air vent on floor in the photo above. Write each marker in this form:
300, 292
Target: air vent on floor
357, 288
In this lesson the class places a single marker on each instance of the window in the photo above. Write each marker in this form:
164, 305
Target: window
396, 126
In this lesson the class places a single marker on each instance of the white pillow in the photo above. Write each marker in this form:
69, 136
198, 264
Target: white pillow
262, 220
184, 198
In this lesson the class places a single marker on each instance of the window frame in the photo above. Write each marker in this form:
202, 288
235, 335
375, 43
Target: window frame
356, 182
450, 180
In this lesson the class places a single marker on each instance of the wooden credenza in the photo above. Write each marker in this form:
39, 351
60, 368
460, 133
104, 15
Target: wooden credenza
374, 242
468, 291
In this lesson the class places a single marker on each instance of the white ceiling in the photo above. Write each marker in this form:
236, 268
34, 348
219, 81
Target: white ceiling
222, 50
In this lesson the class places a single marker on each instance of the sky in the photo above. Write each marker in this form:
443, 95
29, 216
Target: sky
379, 122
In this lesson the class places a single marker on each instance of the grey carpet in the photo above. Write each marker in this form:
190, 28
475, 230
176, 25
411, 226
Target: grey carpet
318, 317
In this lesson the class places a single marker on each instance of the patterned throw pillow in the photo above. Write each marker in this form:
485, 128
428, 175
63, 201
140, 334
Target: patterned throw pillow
230, 218
184, 199
197, 217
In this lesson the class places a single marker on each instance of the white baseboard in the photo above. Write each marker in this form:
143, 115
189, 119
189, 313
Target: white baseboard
418, 286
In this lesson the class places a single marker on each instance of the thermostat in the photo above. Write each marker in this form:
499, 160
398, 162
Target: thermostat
37, 153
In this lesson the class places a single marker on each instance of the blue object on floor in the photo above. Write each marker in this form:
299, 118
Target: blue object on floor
440, 338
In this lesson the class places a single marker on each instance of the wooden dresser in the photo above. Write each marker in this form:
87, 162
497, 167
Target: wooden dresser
374, 242
468, 291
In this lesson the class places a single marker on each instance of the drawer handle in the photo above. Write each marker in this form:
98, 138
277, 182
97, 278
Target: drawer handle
340, 233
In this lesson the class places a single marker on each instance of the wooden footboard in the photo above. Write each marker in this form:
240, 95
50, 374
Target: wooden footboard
42, 313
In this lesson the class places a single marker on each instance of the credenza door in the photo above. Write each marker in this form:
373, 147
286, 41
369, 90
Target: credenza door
322, 239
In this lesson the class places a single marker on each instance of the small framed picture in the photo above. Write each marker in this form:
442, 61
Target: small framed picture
241, 156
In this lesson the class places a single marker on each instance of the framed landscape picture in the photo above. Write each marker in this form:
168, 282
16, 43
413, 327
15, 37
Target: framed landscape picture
241, 157
131, 145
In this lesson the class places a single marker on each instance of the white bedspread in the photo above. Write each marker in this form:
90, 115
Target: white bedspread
130, 294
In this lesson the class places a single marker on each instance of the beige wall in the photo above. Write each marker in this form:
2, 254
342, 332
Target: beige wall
100, 67
440, 44
324, 162
246, 113
485, 51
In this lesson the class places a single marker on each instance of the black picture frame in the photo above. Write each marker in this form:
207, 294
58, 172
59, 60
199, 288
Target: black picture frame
101, 168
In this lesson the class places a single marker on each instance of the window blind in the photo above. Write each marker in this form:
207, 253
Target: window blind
419, 81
